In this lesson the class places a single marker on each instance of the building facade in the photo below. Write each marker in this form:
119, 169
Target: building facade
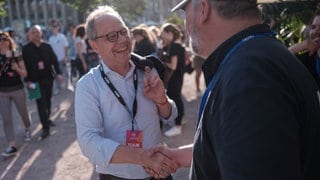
21, 14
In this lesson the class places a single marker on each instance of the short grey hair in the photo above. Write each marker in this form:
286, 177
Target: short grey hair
100, 11
234, 8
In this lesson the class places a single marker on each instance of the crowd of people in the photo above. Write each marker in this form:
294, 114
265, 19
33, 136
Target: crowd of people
259, 114
53, 61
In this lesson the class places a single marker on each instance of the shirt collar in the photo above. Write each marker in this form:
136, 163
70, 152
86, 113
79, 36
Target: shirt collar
108, 71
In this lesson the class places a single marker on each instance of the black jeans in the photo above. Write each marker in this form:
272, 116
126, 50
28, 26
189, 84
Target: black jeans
44, 103
110, 177
174, 93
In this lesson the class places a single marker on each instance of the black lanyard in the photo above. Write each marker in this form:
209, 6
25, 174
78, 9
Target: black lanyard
118, 95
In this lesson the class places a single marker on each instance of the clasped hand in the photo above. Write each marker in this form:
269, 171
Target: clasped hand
157, 164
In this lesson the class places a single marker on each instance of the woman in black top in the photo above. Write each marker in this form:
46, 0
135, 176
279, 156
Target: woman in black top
12, 69
175, 62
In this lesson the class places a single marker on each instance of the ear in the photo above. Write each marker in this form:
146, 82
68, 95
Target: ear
205, 10
93, 45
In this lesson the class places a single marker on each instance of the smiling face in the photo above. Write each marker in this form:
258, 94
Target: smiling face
315, 31
114, 54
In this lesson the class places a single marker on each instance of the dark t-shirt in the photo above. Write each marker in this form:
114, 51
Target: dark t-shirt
175, 82
309, 62
41, 62
8, 76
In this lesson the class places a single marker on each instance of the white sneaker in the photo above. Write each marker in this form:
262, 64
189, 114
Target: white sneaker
10, 151
174, 131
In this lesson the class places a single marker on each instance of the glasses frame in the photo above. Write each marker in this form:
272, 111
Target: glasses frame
4, 39
116, 33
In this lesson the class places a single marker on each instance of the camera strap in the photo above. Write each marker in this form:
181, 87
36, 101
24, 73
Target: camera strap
118, 95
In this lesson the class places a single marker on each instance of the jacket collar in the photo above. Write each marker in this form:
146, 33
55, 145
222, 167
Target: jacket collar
211, 64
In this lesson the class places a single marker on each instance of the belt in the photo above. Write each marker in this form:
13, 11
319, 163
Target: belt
111, 177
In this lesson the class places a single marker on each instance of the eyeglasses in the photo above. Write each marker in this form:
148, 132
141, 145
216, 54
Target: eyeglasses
3, 38
114, 35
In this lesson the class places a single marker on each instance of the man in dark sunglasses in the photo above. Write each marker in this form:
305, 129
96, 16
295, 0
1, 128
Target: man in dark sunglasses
118, 106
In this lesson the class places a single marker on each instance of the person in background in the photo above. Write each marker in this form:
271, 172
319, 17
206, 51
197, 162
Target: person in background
92, 57
175, 62
42, 67
259, 116
144, 43
118, 106
12, 69
16, 39
197, 63
308, 51
70, 34
60, 46
156, 36
81, 48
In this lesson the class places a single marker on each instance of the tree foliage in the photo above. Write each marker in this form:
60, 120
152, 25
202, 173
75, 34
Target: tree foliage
3, 12
130, 10
290, 18
83, 6
175, 19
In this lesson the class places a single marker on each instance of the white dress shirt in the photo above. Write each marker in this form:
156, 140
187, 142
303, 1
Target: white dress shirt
102, 121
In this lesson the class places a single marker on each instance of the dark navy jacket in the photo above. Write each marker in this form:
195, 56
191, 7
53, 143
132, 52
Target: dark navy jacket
262, 118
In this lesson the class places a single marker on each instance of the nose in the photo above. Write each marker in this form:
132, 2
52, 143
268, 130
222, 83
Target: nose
123, 37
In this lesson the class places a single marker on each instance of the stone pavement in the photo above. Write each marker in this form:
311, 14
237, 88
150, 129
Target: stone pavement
59, 157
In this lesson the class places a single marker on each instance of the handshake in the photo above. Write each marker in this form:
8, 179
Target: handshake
161, 161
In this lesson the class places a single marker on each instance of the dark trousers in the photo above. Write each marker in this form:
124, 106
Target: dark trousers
180, 108
110, 177
79, 67
44, 103
174, 93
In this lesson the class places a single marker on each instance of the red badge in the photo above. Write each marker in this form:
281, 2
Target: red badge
134, 139
10, 74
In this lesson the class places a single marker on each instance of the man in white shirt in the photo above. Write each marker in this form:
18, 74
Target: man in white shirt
118, 107
60, 46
